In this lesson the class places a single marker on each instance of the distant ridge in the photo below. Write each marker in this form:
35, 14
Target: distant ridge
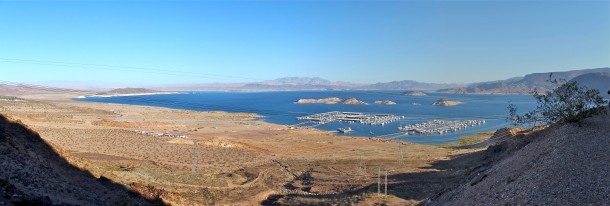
307, 83
598, 80
522, 85
407, 85
515, 85
299, 83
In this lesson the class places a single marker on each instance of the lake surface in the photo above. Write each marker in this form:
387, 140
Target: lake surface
279, 108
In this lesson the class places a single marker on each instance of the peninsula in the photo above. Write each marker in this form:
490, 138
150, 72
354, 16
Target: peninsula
129, 92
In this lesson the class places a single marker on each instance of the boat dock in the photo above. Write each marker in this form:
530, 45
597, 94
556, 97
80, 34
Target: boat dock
351, 117
439, 127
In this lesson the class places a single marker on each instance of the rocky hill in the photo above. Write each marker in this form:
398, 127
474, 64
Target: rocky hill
386, 102
521, 85
599, 81
446, 102
33, 173
414, 93
561, 165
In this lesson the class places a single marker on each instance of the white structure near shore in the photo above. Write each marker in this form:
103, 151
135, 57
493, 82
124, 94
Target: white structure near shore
351, 117
439, 126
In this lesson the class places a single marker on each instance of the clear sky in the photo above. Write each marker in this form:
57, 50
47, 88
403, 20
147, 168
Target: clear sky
357, 41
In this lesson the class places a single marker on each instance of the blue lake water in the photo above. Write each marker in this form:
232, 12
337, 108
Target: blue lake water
279, 108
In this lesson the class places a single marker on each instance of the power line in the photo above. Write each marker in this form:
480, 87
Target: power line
123, 68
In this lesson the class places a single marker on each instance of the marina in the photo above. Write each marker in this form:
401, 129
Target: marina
350, 117
439, 127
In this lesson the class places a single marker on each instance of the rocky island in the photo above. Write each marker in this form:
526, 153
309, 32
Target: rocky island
353, 101
446, 102
331, 100
387, 102
414, 93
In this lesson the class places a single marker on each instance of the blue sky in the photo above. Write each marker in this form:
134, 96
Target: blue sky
162, 42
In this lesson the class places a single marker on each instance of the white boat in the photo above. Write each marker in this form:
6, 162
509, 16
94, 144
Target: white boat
345, 130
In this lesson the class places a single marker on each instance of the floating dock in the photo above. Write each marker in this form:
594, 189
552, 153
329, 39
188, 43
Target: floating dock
439, 127
350, 117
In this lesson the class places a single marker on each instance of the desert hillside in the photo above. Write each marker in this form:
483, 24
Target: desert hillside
524, 85
33, 173
561, 165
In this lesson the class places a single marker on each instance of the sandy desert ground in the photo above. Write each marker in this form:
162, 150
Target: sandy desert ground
239, 160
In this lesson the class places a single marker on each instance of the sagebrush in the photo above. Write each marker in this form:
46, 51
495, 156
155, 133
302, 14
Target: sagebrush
566, 102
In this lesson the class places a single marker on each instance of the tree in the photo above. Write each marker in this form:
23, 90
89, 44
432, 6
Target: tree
566, 102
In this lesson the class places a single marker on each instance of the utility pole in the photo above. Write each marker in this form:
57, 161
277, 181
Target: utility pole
386, 181
361, 164
400, 154
378, 180
195, 159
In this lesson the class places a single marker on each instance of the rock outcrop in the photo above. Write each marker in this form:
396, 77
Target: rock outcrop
414, 93
353, 101
446, 102
387, 102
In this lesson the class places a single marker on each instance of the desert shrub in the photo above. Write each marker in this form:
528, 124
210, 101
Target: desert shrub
566, 102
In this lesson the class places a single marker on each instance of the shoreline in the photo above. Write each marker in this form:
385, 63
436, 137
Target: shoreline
126, 95
391, 136
379, 137
260, 118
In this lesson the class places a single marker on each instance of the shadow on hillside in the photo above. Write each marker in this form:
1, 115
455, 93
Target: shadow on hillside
413, 186
33, 173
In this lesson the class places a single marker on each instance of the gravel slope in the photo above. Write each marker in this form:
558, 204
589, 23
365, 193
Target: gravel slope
561, 165
32, 173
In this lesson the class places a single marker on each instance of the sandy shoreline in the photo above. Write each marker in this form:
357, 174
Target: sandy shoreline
127, 95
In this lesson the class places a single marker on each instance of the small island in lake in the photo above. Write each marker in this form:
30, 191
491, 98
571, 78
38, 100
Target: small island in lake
387, 102
331, 100
414, 93
446, 102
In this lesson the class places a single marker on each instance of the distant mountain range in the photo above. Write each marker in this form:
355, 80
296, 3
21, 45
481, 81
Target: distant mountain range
526, 84
594, 78
515, 85
307, 83
408, 85
299, 83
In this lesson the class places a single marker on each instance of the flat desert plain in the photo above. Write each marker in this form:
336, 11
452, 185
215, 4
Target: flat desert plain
233, 158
